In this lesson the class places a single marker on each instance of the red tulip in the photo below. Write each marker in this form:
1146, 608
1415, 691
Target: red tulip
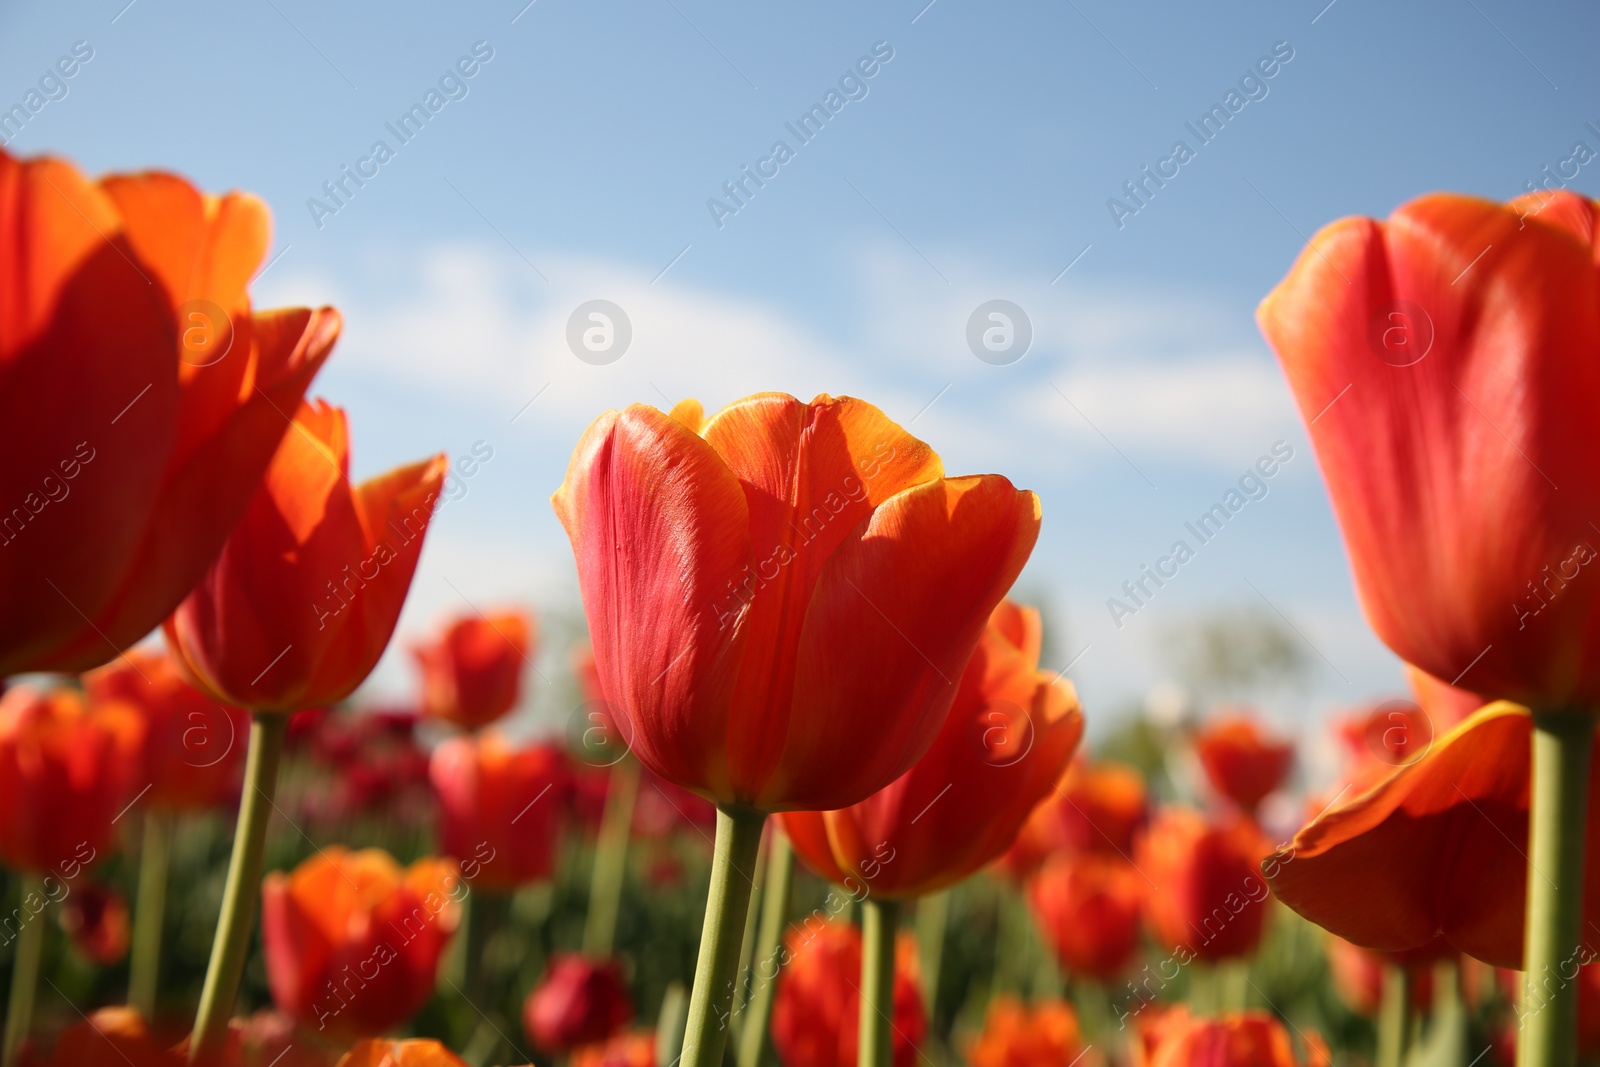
1437, 848
1445, 704
816, 1012
1204, 892
498, 808
1242, 761
306, 593
1015, 1035
1097, 807
1174, 1038
578, 1001
1088, 906
759, 586
140, 399
1007, 739
472, 672
353, 940
192, 748
111, 1036
1462, 464
633, 1049
95, 918
65, 775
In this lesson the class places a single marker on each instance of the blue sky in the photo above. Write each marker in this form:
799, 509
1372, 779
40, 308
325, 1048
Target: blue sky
976, 163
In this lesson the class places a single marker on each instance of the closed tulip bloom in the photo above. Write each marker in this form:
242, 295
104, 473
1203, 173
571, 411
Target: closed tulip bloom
1016, 1035
353, 940
499, 808
192, 748
578, 1001
1460, 330
65, 774
1174, 1038
816, 1013
140, 399
303, 599
111, 1036
632, 1049
762, 586
1434, 849
1088, 906
1008, 737
472, 671
1242, 761
1096, 807
95, 918
413, 1052
1204, 892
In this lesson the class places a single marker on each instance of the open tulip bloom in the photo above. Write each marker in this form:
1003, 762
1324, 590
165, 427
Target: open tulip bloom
1444, 361
782, 599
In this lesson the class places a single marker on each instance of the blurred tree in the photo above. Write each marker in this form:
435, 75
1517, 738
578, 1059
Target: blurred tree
1234, 653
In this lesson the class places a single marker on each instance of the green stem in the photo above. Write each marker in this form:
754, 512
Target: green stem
933, 916
879, 921
24, 968
733, 861
753, 1037
1394, 1017
1563, 743
240, 892
670, 1023
611, 860
144, 963
742, 980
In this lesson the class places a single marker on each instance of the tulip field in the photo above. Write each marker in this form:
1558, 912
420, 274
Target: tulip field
804, 769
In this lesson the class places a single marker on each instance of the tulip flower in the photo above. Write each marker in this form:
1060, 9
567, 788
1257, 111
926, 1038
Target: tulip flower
761, 584
140, 399
1205, 897
294, 614
1016, 1035
1439, 360
472, 671
111, 1036
1174, 1038
1242, 761
633, 1049
415, 1052
1445, 704
1097, 807
816, 1017
95, 918
578, 1001
353, 940
1088, 906
498, 808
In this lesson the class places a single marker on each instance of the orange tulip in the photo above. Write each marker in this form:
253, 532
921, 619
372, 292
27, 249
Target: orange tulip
1088, 906
498, 808
633, 1049
192, 748
1007, 739
1438, 848
1097, 807
64, 778
472, 672
1445, 704
816, 1013
415, 1052
1204, 892
1242, 761
303, 599
353, 940
1015, 1035
140, 400
1460, 330
111, 1036
1174, 1038
761, 584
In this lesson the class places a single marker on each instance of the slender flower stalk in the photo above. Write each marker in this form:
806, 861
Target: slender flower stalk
144, 964
753, 1034
744, 981
232, 942
1394, 1018
24, 973
880, 918
933, 916
733, 861
611, 860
